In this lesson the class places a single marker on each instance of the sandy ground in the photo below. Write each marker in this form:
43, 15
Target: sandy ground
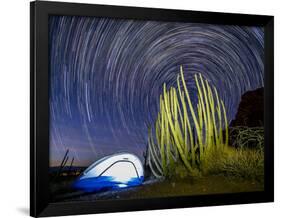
166, 188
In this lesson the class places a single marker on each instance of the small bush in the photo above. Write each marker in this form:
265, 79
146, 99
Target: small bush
243, 136
245, 164
213, 163
241, 163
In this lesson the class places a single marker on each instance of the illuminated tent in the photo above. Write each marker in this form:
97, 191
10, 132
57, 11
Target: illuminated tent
114, 171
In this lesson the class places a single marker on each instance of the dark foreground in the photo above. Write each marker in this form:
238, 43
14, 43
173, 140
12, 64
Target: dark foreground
159, 188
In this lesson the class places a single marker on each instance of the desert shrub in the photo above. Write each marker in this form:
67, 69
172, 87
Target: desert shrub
245, 163
241, 163
213, 163
243, 136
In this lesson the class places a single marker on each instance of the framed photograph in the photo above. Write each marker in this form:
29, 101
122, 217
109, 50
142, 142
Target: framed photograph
141, 109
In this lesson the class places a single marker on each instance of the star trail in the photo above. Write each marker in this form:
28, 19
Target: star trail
106, 76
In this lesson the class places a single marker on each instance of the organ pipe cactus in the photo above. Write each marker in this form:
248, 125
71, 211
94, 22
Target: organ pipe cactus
184, 132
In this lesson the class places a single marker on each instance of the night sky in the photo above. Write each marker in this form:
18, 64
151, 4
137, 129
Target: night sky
106, 76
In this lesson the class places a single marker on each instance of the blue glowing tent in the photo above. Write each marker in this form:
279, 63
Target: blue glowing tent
114, 171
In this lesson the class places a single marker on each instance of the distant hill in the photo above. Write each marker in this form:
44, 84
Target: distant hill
251, 109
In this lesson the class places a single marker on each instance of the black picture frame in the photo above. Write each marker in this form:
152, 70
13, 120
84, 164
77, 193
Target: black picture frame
39, 108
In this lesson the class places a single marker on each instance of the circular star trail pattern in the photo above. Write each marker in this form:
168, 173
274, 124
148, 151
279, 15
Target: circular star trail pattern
106, 75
